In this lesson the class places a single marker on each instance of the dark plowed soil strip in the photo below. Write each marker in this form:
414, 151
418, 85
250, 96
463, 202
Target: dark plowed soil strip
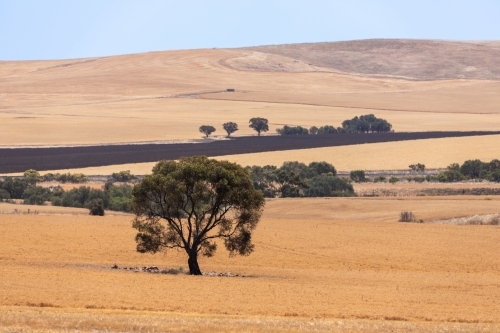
18, 160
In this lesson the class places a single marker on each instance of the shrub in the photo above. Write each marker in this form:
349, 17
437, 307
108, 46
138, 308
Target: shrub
96, 207
393, 180
288, 130
379, 179
450, 175
328, 186
357, 176
123, 176
4, 195
14, 186
407, 217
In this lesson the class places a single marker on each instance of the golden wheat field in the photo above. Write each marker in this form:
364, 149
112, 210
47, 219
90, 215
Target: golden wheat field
341, 264
163, 96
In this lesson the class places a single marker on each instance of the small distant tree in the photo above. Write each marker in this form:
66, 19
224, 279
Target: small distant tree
207, 130
313, 130
32, 176
230, 128
358, 176
96, 207
417, 167
259, 125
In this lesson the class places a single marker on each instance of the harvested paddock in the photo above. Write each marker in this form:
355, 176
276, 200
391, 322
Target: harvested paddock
18, 160
330, 259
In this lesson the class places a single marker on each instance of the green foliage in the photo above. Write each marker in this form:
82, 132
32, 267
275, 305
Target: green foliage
123, 176
112, 197
259, 125
293, 179
14, 186
327, 129
189, 203
473, 168
366, 124
4, 195
357, 176
393, 180
326, 185
32, 176
230, 128
74, 178
288, 130
450, 175
380, 179
313, 130
96, 207
37, 195
207, 130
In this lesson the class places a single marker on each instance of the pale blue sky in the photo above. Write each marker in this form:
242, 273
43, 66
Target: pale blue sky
57, 29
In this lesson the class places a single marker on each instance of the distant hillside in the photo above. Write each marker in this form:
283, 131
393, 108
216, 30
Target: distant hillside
413, 59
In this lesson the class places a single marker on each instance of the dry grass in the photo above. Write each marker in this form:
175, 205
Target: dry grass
135, 98
343, 258
434, 153
51, 320
489, 219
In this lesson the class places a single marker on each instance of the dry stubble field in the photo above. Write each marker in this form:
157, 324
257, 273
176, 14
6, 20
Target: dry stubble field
340, 263
320, 264
162, 96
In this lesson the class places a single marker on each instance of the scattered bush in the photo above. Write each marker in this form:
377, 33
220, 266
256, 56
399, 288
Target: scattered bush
4, 195
96, 207
366, 124
123, 176
357, 176
75, 178
328, 186
288, 130
393, 180
14, 186
295, 179
407, 217
417, 167
380, 179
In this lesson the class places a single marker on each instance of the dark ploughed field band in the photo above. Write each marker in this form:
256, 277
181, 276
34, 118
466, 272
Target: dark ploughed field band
19, 160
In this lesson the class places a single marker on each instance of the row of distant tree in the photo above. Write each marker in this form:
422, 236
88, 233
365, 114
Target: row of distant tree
292, 179
363, 124
257, 124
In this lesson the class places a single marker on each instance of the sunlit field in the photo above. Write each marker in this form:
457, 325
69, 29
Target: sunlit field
328, 259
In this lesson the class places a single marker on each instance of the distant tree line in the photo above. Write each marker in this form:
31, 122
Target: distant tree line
295, 179
257, 124
111, 197
363, 124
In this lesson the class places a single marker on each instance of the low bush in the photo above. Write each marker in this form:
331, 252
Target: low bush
96, 207
357, 176
123, 176
407, 217
380, 179
393, 180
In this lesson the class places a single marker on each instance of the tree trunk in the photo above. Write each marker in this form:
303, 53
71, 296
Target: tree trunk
194, 268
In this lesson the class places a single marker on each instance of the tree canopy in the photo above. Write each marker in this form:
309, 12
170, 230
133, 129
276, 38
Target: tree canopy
207, 130
230, 128
366, 124
188, 204
259, 125
290, 130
